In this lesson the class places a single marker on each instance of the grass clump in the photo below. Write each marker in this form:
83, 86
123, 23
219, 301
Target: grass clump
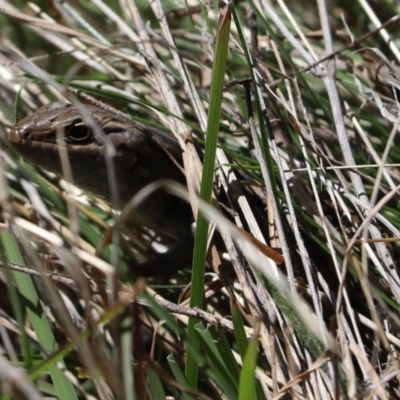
300, 294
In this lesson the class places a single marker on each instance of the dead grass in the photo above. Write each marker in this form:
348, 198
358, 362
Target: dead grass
307, 164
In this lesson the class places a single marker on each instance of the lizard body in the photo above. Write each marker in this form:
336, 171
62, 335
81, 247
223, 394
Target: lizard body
142, 155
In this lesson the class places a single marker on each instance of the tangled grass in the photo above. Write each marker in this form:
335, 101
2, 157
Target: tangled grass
299, 123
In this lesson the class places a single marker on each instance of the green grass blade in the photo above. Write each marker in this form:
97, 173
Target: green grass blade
247, 382
179, 376
200, 249
64, 388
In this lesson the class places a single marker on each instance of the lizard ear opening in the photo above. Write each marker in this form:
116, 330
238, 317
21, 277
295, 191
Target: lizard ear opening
79, 134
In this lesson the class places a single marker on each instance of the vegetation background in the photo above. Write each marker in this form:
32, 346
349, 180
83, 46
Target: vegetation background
302, 116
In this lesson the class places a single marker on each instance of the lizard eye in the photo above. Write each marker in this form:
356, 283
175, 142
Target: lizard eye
79, 134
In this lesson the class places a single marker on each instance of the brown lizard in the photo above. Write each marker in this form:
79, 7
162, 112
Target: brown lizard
142, 155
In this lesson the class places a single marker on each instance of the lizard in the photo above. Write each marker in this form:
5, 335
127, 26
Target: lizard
143, 155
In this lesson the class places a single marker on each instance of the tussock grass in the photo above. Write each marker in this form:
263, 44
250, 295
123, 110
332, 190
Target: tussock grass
301, 292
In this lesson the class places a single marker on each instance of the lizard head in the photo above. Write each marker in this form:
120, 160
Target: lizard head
92, 138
